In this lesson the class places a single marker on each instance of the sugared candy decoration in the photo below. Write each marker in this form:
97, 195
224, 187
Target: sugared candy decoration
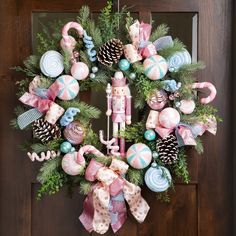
169, 118
157, 99
163, 42
171, 85
88, 41
68, 116
157, 178
74, 132
79, 71
155, 67
139, 156
187, 106
179, 59
150, 135
68, 87
124, 64
70, 165
66, 147
51, 64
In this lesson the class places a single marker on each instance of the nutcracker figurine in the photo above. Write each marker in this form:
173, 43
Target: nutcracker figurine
119, 106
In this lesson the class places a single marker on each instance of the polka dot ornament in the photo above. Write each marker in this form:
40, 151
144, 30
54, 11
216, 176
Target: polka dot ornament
157, 178
68, 87
155, 67
51, 63
139, 156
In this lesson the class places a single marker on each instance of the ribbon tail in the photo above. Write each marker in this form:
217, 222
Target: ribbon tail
138, 206
86, 218
118, 212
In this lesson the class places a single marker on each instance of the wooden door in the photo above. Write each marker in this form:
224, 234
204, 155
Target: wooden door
201, 208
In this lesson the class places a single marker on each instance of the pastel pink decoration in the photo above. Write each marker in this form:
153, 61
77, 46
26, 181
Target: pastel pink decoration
68, 42
209, 86
169, 118
131, 53
152, 119
70, 164
155, 67
149, 50
79, 71
139, 156
157, 99
68, 87
54, 113
187, 106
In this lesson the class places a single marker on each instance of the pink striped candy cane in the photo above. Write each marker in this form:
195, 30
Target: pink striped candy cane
68, 42
212, 89
110, 144
87, 149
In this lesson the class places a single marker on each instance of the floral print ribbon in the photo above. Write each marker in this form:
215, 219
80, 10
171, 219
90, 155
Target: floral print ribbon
105, 204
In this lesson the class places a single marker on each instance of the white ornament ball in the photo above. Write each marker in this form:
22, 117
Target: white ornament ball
94, 69
69, 164
187, 106
51, 63
169, 118
119, 75
92, 76
79, 71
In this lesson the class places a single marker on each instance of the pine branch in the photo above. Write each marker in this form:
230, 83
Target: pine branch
66, 61
85, 187
83, 16
32, 64
26, 71
91, 138
163, 197
53, 145
199, 147
159, 32
135, 176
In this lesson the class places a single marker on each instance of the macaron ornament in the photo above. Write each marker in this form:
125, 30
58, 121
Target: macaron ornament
51, 63
139, 156
187, 106
79, 71
169, 118
155, 67
150, 135
68, 87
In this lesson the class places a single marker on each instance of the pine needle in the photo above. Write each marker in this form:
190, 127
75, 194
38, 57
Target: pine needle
159, 32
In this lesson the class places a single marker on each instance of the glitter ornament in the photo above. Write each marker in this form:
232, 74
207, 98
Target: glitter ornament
66, 147
68, 87
169, 118
157, 178
157, 99
155, 67
139, 156
150, 135
79, 71
74, 132
124, 64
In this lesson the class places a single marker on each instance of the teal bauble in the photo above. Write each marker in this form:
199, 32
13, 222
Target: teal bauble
150, 135
66, 147
124, 64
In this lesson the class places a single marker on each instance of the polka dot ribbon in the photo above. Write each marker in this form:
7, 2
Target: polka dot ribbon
105, 204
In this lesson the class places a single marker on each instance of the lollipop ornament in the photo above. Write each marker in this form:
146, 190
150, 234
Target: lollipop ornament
211, 88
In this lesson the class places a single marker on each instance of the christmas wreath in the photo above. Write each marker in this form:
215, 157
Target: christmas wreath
107, 55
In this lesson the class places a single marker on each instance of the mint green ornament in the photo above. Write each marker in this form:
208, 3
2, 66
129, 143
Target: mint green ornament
124, 64
150, 135
66, 147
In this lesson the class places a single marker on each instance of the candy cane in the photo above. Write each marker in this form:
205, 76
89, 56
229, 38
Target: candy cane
68, 42
109, 144
87, 149
49, 154
212, 89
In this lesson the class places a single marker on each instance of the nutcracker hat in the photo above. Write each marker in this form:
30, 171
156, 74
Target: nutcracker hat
118, 80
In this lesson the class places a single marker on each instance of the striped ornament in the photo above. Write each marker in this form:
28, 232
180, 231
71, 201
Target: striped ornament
139, 156
157, 178
155, 67
68, 87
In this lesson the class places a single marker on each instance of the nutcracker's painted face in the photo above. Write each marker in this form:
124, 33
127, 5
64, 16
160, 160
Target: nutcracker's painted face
119, 91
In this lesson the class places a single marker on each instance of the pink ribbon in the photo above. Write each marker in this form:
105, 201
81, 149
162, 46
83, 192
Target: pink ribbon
100, 204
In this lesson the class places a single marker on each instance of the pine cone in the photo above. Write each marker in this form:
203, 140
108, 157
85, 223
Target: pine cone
45, 131
167, 149
110, 52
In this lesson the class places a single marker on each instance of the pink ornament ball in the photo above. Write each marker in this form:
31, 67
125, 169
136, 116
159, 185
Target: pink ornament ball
139, 156
187, 106
169, 118
68, 87
79, 71
155, 67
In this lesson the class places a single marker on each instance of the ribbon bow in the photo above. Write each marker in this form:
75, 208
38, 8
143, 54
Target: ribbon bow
105, 204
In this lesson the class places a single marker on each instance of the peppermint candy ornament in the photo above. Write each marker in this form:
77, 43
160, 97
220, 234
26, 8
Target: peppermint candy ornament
179, 59
157, 178
68, 87
139, 156
155, 67
51, 63
79, 71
